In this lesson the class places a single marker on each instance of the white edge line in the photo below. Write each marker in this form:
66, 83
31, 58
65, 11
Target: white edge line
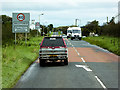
100, 82
83, 60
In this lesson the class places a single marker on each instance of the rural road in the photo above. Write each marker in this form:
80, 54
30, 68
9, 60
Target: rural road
89, 67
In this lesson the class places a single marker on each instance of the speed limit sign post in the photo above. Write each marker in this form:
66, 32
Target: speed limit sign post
20, 23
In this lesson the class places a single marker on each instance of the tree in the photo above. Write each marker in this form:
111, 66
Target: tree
91, 27
50, 27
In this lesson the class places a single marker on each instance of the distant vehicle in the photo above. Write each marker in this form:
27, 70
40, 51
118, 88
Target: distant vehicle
74, 32
96, 35
69, 31
55, 34
53, 49
64, 36
83, 36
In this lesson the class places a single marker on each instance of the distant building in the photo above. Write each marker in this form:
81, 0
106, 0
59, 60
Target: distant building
32, 25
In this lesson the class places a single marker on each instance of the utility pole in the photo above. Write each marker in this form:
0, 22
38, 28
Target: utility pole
75, 22
39, 21
107, 20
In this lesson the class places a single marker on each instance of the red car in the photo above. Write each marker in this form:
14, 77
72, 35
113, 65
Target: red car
53, 49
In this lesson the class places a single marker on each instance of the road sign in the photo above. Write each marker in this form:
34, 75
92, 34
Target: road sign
20, 22
21, 17
37, 25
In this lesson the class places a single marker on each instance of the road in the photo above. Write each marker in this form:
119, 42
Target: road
89, 67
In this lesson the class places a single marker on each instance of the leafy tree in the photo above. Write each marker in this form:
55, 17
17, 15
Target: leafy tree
91, 27
7, 35
50, 27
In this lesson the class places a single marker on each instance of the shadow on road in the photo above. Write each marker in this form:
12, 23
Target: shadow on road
54, 64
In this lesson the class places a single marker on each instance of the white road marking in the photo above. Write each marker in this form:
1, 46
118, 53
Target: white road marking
85, 67
83, 60
101, 83
88, 69
75, 50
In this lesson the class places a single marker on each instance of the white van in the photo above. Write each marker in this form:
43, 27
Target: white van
69, 30
74, 32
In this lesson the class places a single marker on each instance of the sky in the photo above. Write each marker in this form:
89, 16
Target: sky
62, 12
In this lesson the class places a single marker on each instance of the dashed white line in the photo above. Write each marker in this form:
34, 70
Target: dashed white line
88, 69
83, 60
101, 83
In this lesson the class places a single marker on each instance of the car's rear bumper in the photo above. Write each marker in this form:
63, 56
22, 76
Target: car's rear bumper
57, 57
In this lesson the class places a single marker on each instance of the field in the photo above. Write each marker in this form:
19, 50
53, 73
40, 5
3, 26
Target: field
16, 60
110, 43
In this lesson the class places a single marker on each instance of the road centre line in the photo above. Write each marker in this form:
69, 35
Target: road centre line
83, 60
101, 83
88, 69
77, 51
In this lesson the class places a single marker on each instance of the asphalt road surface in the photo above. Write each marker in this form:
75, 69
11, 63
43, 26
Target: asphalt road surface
89, 67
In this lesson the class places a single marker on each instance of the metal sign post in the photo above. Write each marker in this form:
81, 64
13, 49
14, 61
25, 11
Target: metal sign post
37, 33
25, 38
15, 38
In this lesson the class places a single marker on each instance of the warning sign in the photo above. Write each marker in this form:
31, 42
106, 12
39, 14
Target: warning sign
37, 25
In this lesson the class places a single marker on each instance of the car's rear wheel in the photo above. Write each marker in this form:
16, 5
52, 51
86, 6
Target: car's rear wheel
71, 38
80, 38
66, 62
42, 62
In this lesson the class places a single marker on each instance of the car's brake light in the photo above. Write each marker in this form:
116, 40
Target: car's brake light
66, 51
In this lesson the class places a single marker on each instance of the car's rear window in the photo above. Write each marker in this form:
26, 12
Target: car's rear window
53, 42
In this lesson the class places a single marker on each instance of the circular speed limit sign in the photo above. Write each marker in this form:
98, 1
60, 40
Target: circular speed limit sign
20, 16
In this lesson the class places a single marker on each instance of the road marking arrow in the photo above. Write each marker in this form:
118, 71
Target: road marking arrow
85, 67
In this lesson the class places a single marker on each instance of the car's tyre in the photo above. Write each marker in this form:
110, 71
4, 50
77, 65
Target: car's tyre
66, 62
71, 38
42, 62
80, 38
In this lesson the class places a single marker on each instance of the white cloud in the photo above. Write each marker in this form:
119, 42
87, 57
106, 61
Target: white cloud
59, 1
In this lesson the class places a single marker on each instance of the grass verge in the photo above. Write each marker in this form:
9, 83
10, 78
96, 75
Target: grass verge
109, 43
16, 59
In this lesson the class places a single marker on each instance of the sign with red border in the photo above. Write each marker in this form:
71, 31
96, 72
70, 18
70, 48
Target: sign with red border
20, 22
37, 25
20, 16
